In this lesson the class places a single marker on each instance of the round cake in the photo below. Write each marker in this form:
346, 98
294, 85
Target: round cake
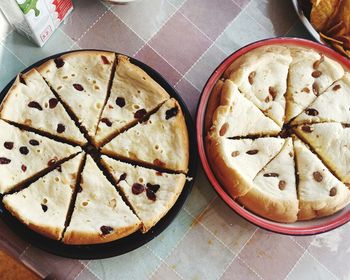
278, 133
92, 149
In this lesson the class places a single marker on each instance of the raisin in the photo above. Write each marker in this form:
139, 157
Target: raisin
137, 188
78, 87
273, 92
311, 112
224, 129
105, 60
153, 188
336, 87
106, 230
24, 168
34, 142
44, 207
122, 177
305, 89
316, 74
171, 113
282, 185
120, 101
317, 176
34, 104
251, 77
271, 175
333, 191
53, 103
8, 145
24, 150
52, 161
106, 121
235, 154
315, 89
159, 163
140, 114
60, 128
158, 173
252, 152
59, 62
151, 195
318, 62
307, 128
4, 160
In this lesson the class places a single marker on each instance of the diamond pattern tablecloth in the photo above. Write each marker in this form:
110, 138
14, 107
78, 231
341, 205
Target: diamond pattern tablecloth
184, 40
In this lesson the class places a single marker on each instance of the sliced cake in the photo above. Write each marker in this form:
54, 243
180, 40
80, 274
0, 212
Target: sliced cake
332, 106
331, 141
310, 74
43, 206
31, 103
133, 95
237, 162
160, 141
227, 119
81, 81
150, 193
100, 215
320, 192
261, 75
25, 154
274, 192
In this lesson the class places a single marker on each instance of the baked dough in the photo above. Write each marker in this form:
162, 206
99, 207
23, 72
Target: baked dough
100, 215
213, 103
150, 193
31, 103
332, 106
133, 95
332, 142
234, 106
310, 74
274, 192
160, 141
261, 75
43, 206
81, 80
24, 155
237, 162
320, 193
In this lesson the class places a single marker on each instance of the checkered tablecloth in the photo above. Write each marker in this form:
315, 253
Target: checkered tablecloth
184, 40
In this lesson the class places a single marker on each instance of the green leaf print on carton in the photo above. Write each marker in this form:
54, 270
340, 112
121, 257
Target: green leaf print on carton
29, 5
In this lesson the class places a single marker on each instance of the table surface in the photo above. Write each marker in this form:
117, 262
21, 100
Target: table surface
185, 41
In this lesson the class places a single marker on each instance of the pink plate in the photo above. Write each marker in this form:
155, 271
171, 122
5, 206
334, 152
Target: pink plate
299, 228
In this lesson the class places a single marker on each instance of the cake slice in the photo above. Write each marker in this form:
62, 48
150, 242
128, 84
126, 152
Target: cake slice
31, 103
320, 192
274, 194
237, 162
261, 76
43, 206
160, 141
81, 81
332, 106
150, 193
331, 141
25, 154
133, 95
234, 107
100, 215
310, 74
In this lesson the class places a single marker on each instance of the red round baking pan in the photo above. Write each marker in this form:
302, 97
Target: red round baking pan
315, 226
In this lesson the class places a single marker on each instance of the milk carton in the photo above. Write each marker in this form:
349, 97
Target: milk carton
36, 19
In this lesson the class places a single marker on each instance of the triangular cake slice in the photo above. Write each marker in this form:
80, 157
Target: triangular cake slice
25, 154
261, 75
274, 194
237, 162
331, 141
160, 141
43, 206
234, 107
150, 193
310, 74
332, 106
100, 215
81, 81
31, 103
133, 95
320, 192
